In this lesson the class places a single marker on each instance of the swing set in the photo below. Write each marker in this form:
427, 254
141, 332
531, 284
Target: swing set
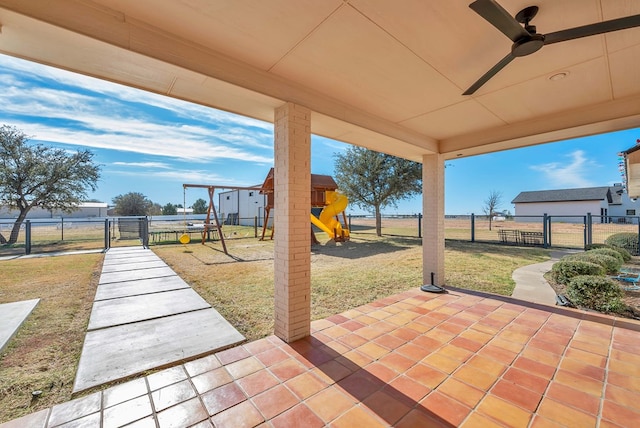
211, 212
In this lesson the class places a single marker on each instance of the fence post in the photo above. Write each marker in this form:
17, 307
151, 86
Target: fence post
349, 222
27, 237
545, 231
589, 229
107, 234
473, 227
255, 226
419, 225
62, 228
145, 231
638, 246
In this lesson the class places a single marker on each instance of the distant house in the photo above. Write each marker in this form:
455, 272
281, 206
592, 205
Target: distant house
84, 210
184, 211
607, 204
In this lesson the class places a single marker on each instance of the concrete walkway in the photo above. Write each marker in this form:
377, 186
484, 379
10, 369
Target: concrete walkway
145, 316
12, 316
530, 283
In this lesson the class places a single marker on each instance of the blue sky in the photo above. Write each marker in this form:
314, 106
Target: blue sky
153, 144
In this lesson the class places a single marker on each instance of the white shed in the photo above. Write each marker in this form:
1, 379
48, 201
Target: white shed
607, 203
241, 207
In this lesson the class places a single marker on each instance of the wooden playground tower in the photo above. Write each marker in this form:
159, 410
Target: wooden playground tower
323, 195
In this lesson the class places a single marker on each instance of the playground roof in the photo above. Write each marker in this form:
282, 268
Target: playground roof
385, 75
318, 182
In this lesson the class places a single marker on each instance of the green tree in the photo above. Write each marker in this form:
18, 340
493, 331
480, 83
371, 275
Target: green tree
156, 209
36, 175
132, 203
491, 204
373, 180
170, 209
200, 206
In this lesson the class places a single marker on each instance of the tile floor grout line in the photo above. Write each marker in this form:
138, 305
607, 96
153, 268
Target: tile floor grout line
198, 394
154, 413
602, 399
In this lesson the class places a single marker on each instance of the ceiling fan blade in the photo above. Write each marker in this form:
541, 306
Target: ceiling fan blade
592, 29
489, 74
499, 18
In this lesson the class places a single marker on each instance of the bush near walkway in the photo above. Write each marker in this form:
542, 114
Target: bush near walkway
626, 240
563, 270
596, 292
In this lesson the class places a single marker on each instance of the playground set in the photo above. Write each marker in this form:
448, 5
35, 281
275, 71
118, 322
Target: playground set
324, 195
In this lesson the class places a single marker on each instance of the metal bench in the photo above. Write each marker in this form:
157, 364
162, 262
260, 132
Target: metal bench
509, 236
520, 237
531, 238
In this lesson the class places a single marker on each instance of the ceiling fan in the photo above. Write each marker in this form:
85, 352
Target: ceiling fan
525, 38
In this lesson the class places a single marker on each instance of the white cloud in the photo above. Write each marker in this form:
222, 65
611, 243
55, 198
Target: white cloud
183, 176
143, 164
179, 107
573, 173
81, 119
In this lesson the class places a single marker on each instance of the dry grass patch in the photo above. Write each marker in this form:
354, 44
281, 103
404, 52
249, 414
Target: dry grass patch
44, 355
487, 267
343, 276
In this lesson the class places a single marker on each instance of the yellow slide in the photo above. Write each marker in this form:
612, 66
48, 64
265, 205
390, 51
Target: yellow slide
327, 221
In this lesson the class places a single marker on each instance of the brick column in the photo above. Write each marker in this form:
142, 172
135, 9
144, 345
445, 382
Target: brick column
433, 220
292, 184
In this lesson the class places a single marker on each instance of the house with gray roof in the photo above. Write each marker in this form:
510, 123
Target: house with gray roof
605, 203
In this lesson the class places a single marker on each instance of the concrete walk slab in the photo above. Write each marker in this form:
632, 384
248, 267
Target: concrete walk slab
131, 275
109, 313
530, 283
132, 265
144, 316
138, 258
119, 352
116, 290
12, 315
127, 250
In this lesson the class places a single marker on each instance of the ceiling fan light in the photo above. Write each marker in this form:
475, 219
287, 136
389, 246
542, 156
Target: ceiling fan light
558, 76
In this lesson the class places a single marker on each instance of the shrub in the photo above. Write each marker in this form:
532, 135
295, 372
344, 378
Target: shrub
563, 270
626, 256
596, 292
609, 252
626, 240
610, 264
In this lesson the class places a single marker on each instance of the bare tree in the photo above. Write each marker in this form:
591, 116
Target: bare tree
491, 204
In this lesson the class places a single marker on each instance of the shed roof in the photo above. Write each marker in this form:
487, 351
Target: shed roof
566, 195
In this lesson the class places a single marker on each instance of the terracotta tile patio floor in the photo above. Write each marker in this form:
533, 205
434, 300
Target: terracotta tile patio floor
411, 360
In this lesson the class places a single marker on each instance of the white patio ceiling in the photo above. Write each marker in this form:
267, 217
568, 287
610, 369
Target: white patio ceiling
387, 75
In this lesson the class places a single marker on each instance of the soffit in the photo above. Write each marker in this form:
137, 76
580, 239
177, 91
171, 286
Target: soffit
380, 74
